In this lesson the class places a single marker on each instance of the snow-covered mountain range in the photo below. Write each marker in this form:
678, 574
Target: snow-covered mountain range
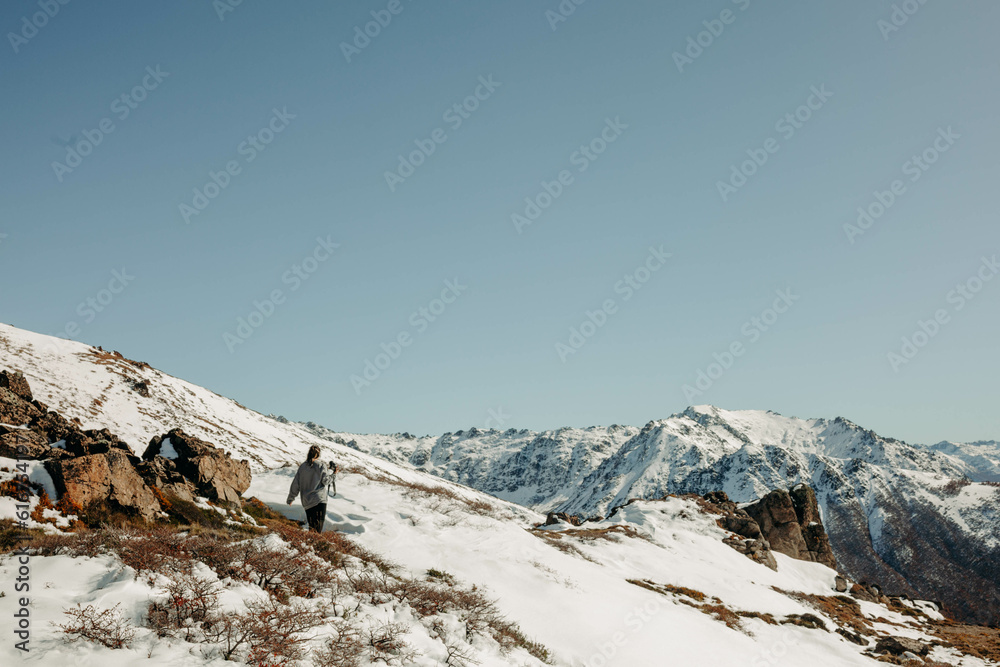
616, 592
894, 511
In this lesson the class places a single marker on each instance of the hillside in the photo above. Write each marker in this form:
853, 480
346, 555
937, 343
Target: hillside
898, 514
653, 584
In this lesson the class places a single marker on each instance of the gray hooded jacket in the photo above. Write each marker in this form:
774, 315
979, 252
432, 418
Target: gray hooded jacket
311, 480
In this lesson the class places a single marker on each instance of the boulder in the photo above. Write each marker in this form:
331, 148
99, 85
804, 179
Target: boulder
16, 410
15, 382
108, 477
840, 583
163, 474
818, 544
744, 526
35, 446
85, 443
791, 522
900, 645
775, 514
213, 472
53, 425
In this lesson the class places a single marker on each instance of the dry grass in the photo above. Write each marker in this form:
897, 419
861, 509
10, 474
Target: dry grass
972, 640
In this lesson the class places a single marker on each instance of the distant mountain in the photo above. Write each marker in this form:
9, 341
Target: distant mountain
982, 458
900, 515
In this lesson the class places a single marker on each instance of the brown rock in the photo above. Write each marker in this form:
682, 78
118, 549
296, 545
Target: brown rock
213, 472
791, 522
818, 544
108, 477
85, 443
162, 473
53, 425
744, 526
35, 446
14, 409
775, 515
900, 645
805, 504
15, 382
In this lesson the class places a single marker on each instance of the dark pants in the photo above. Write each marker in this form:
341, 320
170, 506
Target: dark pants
316, 516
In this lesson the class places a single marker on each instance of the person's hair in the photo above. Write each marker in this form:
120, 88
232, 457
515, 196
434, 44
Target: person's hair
313, 454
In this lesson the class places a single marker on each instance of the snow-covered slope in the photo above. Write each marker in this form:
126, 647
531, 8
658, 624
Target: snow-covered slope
893, 511
103, 390
981, 458
659, 596
576, 600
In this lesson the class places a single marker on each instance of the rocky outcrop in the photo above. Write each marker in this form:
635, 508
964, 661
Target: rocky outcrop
15, 410
748, 538
15, 383
97, 467
23, 444
901, 645
212, 472
791, 523
109, 477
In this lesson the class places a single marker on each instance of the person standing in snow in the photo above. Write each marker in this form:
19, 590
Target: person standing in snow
311, 481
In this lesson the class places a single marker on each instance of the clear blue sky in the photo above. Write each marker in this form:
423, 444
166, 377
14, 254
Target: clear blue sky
522, 287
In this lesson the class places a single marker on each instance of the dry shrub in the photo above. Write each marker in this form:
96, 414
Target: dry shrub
270, 632
105, 627
284, 572
344, 649
664, 589
843, 610
372, 584
67, 506
811, 621
385, 643
442, 576
190, 601
458, 656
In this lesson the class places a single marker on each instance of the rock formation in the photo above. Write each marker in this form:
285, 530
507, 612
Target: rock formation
791, 523
211, 472
95, 466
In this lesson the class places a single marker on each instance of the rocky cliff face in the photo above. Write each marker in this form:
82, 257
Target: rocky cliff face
790, 521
